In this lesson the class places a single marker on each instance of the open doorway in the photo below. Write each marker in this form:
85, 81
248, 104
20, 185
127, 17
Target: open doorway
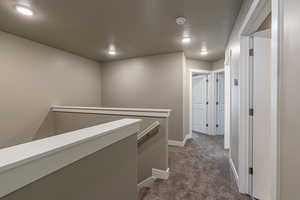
200, 102
260, 116
258, 133
207, 104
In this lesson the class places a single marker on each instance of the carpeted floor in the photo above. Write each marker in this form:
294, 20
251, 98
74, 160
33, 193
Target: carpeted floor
199, 171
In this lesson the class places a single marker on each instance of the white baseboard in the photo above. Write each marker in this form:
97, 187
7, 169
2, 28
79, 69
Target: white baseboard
175, 143
187, 137
161, 174
179, 143
156, 174
236, 176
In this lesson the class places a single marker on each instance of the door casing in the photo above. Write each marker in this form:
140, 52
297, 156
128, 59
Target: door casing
258, 11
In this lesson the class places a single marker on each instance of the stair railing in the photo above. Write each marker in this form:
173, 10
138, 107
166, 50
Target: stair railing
147, 132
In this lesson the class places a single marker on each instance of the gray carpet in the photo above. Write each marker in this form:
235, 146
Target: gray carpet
199, 171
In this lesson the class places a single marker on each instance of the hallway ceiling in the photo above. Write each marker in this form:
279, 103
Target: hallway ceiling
134, 27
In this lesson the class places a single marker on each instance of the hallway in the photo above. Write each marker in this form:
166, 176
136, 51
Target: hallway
200, 171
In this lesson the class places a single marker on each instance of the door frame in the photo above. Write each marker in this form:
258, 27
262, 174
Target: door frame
209, 121
227, 92
227, 109
255, 16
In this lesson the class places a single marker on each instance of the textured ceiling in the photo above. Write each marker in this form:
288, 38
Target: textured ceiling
134, 27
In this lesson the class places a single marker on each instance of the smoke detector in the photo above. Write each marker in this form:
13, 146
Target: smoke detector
180, 21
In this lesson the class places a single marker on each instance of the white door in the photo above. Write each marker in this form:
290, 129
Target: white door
261, 118
220, 91
199, 103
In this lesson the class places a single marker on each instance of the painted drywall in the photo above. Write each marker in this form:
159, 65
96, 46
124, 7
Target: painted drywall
198, 64
146, 82
289, 108
234, 46
33, 77
152, 152
219, 64
110, 173
135, 27
188, 65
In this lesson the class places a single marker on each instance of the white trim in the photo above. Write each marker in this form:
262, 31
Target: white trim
218, 70
235, 174
146, 183
176, 143
256, 14
156, 174
180, 143
161, 113
187, 137
161, 174
227, 122
250, 14
23, 164
265, 33
200, 71
210, 87
277, 34
244, 122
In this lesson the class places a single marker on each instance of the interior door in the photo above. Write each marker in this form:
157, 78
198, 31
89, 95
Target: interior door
261, 118
220, 91
199, 103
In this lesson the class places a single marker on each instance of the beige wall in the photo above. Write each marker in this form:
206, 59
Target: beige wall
219, 64
152, 152
234, 46
160, 81
198, 64
33, 77
108, 174
147, 82
289, 108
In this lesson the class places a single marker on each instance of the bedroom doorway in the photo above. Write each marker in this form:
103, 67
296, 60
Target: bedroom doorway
200, 102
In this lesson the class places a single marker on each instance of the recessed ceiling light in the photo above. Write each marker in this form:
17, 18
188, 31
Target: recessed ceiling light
204, 52
180, 21
24, 10
186, 40
112, 52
